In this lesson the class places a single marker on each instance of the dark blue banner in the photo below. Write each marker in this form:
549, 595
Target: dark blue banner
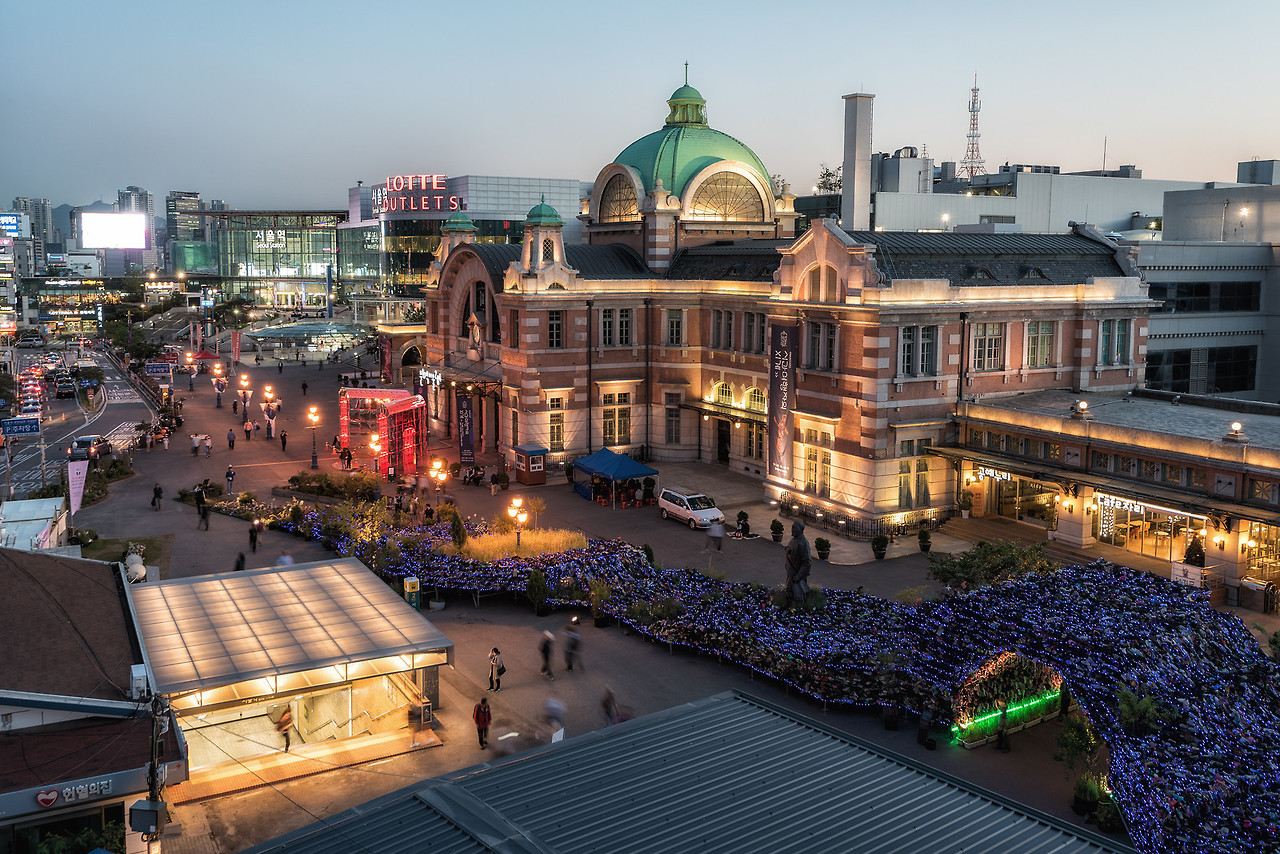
782, 396
466, 441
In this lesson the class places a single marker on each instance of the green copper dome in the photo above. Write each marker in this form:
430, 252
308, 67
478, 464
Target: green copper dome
543, 214
458, 222
685, 147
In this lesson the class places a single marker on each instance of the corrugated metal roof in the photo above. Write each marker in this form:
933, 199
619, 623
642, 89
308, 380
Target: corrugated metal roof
951, 242
740, 260
592, 262
726, 774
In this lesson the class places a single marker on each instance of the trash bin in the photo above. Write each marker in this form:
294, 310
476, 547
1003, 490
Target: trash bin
1254, 594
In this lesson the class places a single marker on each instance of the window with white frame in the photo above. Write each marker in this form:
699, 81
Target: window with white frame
1113, 345
616, 420
904, 485
820, 346
753, 332
817, 463
672, 400
555, 432
721, 329
988, 346
755, 441
624, 327
756, 401
555, 329
723, 394
606, 327
918, 351
675, 327
1040, 349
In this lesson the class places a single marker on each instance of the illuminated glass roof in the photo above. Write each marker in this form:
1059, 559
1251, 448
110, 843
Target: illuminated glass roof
214, 631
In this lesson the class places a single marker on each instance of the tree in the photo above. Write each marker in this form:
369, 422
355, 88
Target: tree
1076, 742
1194, 555
417, 314
988, 563
830, 181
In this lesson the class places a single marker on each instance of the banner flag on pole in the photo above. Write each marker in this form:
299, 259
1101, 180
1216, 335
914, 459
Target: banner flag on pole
76, 472
235, 346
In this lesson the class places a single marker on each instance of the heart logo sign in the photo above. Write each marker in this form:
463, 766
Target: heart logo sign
47, 799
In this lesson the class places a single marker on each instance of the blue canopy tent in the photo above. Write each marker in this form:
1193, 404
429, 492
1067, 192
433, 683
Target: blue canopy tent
608, 466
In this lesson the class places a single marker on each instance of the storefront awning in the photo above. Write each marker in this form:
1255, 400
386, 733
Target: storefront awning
264, 630
719, 410
1197, 505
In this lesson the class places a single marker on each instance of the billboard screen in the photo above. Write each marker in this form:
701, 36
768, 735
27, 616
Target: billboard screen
113, 230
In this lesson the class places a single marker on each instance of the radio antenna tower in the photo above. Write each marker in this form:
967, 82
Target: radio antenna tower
972, 165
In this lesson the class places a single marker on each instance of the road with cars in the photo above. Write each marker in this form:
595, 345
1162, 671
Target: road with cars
62, 420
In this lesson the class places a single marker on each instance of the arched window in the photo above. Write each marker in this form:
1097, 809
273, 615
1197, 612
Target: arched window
723, 394
756, 400
727, 197
412, 356
618, 201
548, 250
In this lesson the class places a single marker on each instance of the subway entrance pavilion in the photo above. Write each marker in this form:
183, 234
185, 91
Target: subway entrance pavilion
328, 645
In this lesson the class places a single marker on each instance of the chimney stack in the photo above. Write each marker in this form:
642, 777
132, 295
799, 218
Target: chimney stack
855, 197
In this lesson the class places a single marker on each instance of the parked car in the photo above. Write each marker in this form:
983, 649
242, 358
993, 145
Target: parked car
30, 342
689, 506
88, 448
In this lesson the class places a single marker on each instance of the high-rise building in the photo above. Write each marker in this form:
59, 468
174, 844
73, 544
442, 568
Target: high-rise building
180, 222
43, 232
137, 200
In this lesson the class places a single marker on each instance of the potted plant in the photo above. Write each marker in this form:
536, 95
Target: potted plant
966, 503
504, 480
744, 526
775, 529
601, 592
1086, 795
925, 538
538, 592
879, 545
823, 545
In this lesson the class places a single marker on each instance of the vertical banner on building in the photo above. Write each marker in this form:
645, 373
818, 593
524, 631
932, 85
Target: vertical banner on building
235, 346
385, 343
466, 439
199, 336
77, 470
191, 334
782, 391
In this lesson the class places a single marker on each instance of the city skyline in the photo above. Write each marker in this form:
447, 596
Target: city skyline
289, 104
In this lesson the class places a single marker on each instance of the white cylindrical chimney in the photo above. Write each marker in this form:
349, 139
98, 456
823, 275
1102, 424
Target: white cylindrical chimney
855, 197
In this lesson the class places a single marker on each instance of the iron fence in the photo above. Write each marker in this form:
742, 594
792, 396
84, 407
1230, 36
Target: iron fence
902, 524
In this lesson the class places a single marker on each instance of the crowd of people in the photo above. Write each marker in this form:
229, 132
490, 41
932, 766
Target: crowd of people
1206, 778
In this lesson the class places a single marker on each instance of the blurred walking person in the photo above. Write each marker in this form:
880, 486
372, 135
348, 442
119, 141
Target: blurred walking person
496, 669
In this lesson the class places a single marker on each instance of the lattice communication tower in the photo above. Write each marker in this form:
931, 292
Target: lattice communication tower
972, 165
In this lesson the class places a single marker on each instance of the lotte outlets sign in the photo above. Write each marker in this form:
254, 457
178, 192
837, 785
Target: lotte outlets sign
415, 193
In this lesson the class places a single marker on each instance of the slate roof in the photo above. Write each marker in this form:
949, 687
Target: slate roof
726, 774
739, 261
991, 259
613, 261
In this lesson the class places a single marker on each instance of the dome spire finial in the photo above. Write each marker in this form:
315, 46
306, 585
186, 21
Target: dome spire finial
686, 74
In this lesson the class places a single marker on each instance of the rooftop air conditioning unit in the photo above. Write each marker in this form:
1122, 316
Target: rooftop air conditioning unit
138, 682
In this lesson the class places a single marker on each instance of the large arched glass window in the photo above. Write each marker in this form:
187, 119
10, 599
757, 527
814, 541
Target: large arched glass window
618, 201
756, 400
723, 394
727, 197
823, 285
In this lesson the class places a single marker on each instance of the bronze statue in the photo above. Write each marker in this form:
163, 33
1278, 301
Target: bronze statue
797, 562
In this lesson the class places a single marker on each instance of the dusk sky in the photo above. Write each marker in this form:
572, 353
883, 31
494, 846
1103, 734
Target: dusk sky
285, 104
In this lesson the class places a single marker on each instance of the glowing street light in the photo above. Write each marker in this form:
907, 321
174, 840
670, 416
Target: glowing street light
377, 450
314, 418
518, 515
439, 474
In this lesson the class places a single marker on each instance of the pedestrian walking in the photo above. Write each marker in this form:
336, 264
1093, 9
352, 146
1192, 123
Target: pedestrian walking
284, 439
166, 441
304, 388
283, 725
715, 536
285, 559
256, 426
248, 429
496, 669
235, 407
204, 518
240, 562
231, 439
157, 495
208, 446
544, 649
483, 716
609, 707
195, 444
253, 538
572, 641
198, 495
279, 366
231, 479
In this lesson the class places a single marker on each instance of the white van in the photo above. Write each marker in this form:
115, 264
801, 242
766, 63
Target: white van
689, 506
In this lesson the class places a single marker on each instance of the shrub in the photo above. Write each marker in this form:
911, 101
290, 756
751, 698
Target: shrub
83, 536
923, 535
457, 530
296, 513
1194, 555
648, 555
536, 587
988, 563
775, 527
966, 500
879, 542
601, 593
246, 498
666, 608
822, 544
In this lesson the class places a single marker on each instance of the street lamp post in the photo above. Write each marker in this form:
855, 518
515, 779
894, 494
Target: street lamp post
377, 450
191, 373
314, 418
518, 515
438, 476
